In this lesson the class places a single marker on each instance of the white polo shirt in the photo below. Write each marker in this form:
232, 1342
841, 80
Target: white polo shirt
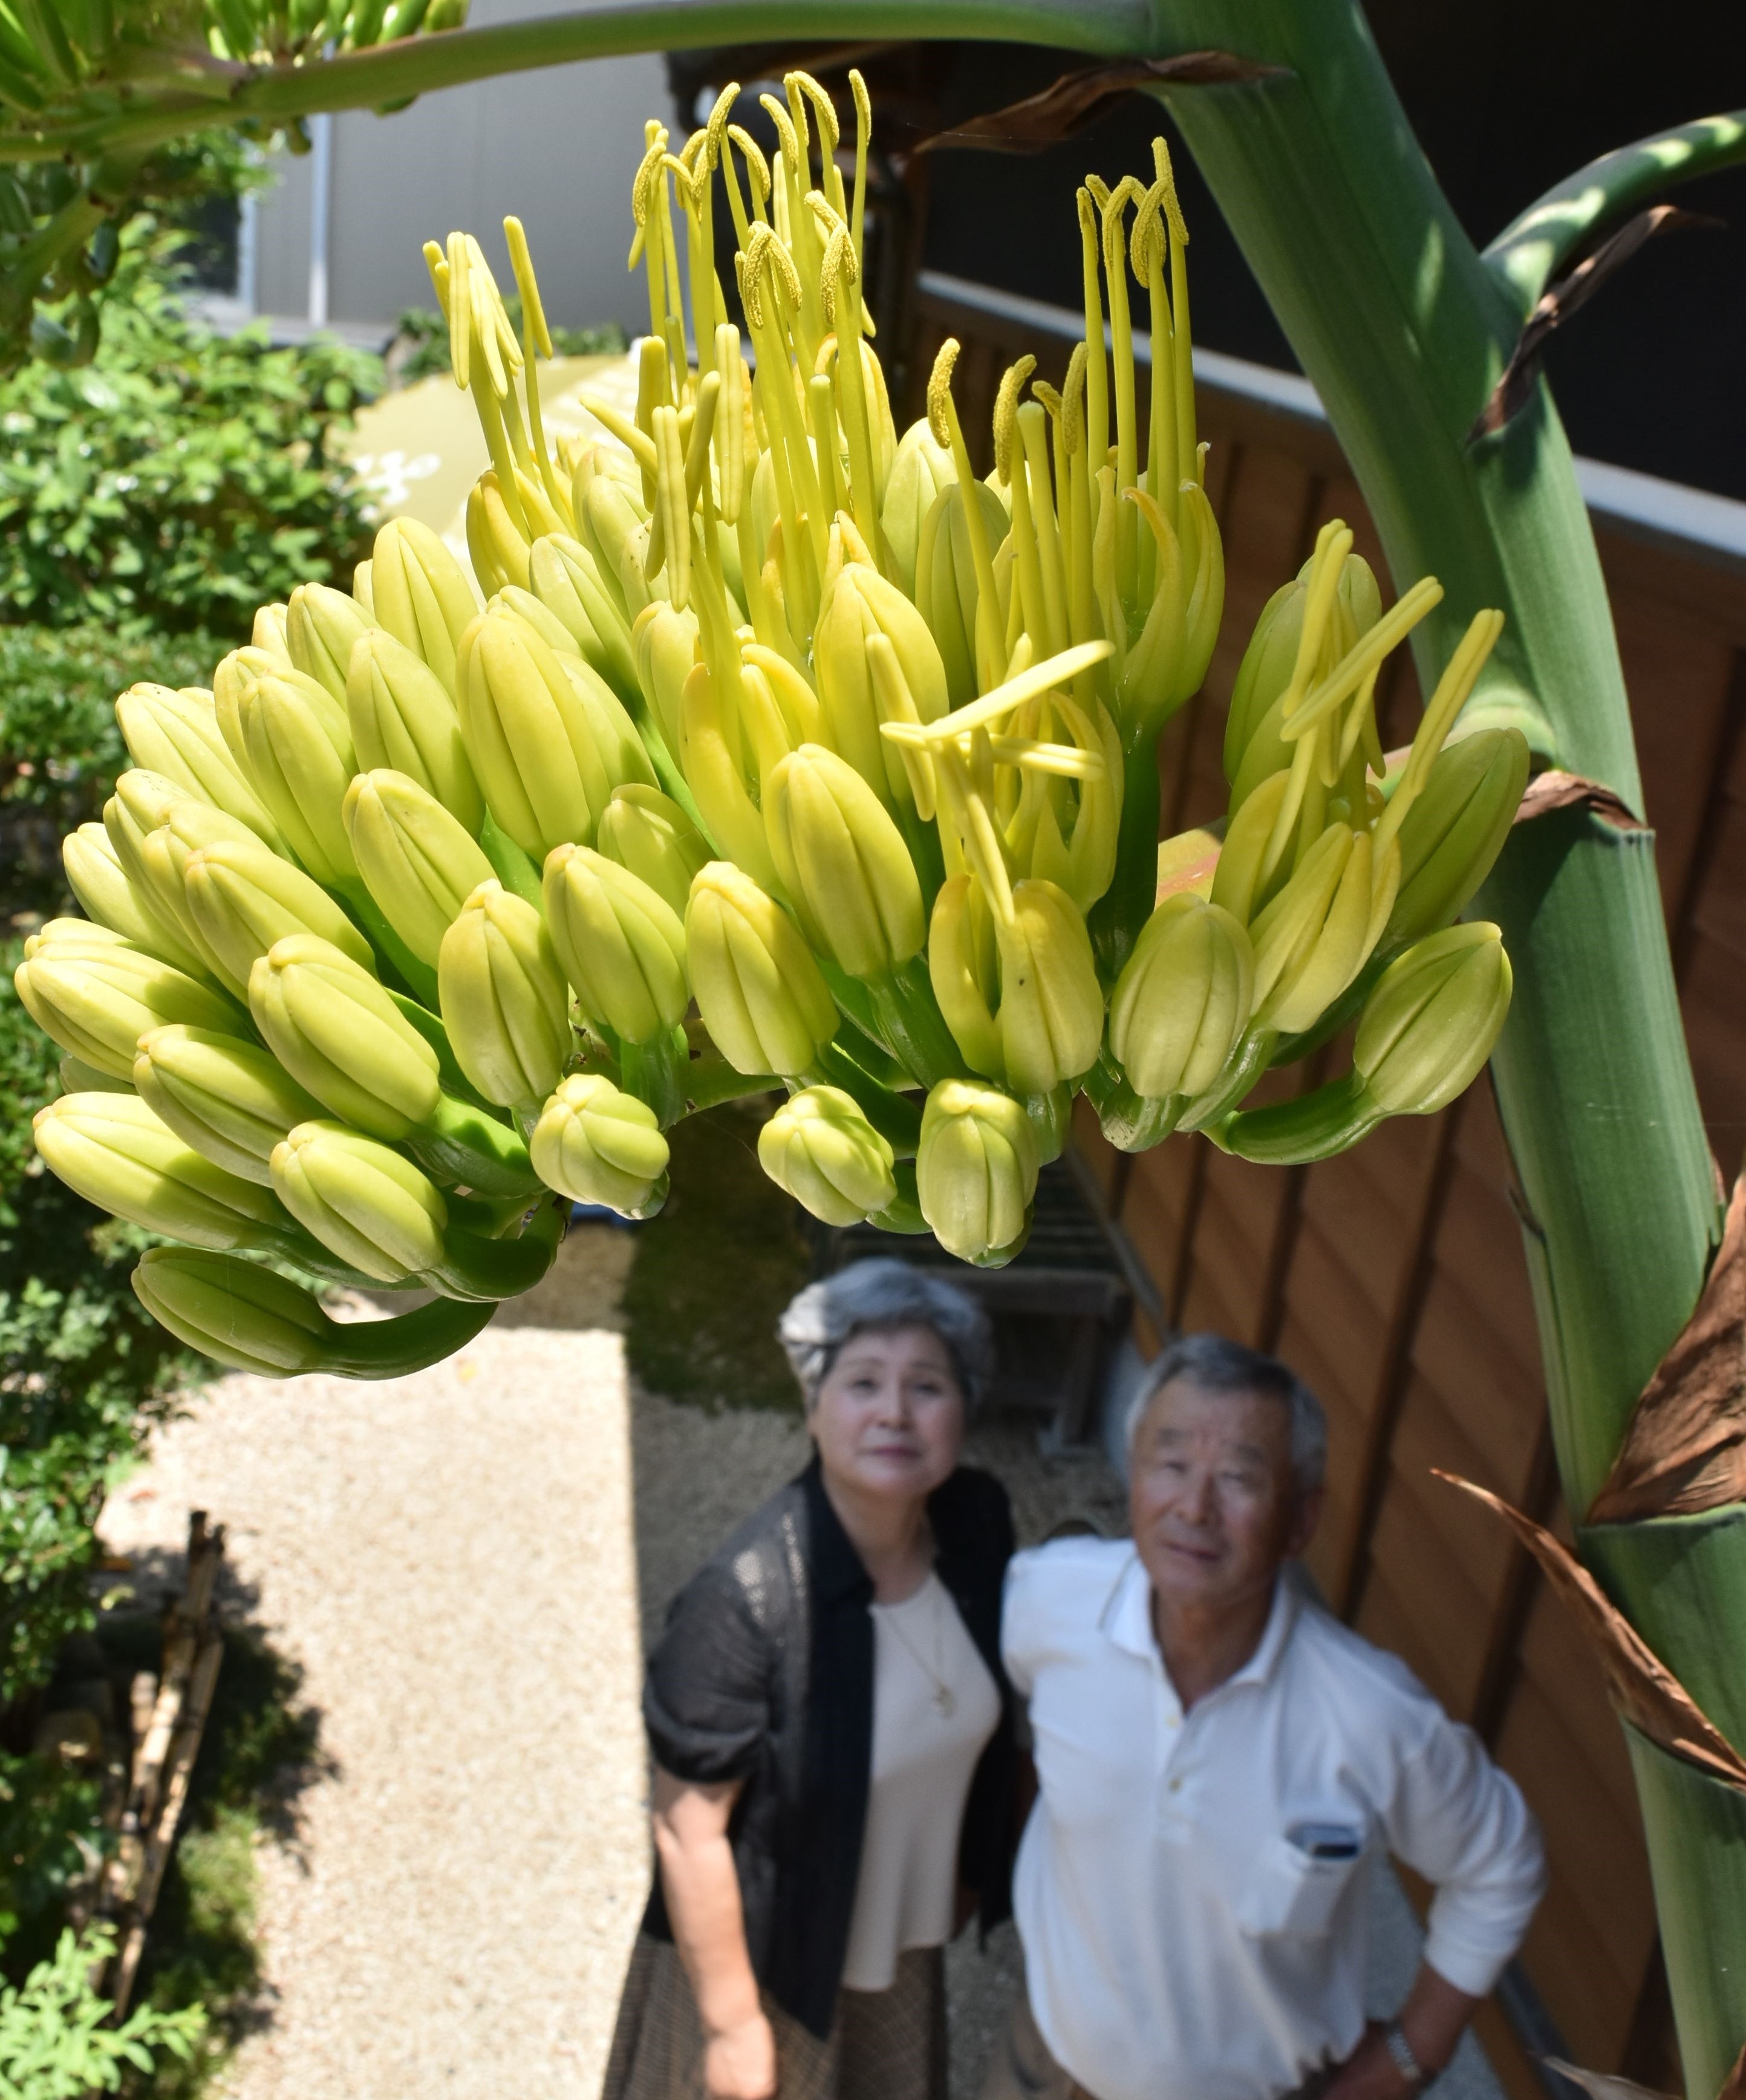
1182, 1940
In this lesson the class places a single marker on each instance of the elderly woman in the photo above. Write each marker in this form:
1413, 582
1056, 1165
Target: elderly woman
830, 1726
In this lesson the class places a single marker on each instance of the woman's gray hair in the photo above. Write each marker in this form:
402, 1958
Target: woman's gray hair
885, 1293
1215, 1365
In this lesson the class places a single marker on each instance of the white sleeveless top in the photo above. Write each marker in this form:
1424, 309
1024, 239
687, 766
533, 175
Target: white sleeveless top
935, 1704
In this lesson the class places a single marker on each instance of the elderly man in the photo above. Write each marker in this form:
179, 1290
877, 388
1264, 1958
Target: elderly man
1216, 1756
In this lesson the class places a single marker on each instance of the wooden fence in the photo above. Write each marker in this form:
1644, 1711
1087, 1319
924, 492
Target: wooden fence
1393, 1277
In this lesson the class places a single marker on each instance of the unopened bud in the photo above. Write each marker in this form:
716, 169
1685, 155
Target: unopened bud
361, 1200
416, 861
115, 1152
503, 998
1457, 828
1432, 1019
230, 1101
341, 1037
293, 743
243, 898
821, 1148
547, 739
843, 863
596, 1144
176, 735
1183, 1001
646, 832
619, 942
322, 627
761, 996
403, 719
96, 1003
920, 468
421, 595
859, 602
976, 1170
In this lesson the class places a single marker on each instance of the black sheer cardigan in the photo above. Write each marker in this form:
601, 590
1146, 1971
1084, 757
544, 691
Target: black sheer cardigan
765, 1675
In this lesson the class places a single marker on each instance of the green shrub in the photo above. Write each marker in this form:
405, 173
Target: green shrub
60, 748
425, 335
84, 1370
180, 479
54, 2044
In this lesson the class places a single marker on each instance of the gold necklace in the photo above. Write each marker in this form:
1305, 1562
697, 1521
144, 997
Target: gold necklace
945, 1700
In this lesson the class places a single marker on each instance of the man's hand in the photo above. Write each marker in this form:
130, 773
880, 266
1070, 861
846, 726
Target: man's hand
1431, 2019
739, 2062
1370, 2072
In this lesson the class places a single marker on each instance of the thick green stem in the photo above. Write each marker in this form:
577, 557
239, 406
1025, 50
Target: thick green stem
1403, 329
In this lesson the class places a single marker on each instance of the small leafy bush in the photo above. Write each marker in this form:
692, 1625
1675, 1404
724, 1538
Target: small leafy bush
181, 477
53, 2043
84, 1370
60, 748
425, 335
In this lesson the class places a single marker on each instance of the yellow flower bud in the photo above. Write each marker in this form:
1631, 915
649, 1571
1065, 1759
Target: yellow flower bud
843, 863
503, 1000
230, 1101
112, 1150
176, 736
821, 1148
418, 862
646, 832
976, 1170
597, 1145
403, 720
619, 942
547, 739
1182, 1003
1432, 1019
763, 999
361, 1200
421, 595
858, 602
322, 627
341, 1036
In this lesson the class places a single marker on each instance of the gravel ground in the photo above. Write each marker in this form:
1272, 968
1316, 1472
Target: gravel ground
467, 1564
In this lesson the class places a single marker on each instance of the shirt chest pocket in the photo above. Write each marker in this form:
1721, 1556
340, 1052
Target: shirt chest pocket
1295, 1884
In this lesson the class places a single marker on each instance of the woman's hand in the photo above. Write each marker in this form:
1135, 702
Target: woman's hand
740, 2062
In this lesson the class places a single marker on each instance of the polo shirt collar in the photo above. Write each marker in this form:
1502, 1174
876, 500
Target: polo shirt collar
1127, 1620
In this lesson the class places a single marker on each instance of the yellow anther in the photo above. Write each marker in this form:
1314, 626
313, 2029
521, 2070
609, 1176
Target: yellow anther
644, 177
939, 391
1128, 190
437, 263
1099, 190
1049, 396
1027, 685
839, 263
786, 138
757, 167
1147, 243
1005, 411
521, 261
825, 211
460, 311
715, 130
671, 165
1073, 402
863, 101
1161, 158
692, 147
824, 111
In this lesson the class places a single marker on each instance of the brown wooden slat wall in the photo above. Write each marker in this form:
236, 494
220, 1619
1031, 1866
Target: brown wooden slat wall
1393, 1277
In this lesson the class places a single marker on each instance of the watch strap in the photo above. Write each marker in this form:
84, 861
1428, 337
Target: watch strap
1400, 2051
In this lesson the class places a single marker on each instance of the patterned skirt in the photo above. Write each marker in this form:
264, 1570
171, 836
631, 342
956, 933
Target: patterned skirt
882, 2045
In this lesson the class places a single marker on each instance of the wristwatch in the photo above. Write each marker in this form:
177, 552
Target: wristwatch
1400, 2052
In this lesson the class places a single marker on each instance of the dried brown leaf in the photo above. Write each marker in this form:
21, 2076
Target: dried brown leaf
1566, 296
1067, 105
1685, 1451
1556, 790
1644, 1690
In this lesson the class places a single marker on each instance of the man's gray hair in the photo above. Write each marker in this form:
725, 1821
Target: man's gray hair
1215, 1364
885, 1293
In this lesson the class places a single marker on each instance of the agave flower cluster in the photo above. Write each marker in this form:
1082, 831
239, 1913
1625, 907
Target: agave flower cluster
765, 747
